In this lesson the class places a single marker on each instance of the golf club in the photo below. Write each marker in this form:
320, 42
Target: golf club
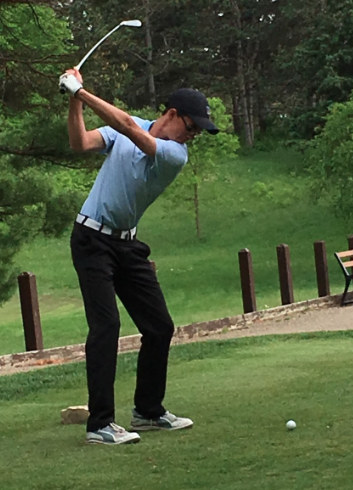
128, 23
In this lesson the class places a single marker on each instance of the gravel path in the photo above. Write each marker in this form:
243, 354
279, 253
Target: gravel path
324, 319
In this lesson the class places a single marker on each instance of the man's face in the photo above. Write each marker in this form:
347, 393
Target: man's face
181, 128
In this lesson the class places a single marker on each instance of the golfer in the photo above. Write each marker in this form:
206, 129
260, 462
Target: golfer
142, 159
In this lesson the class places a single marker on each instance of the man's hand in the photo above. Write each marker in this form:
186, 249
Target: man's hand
74, 71
68, 82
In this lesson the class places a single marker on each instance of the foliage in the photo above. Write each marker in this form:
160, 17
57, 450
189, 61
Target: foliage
330, 160
34, 42
198, 44
206, 153
281, 194
274, 63
33, 133
314, 69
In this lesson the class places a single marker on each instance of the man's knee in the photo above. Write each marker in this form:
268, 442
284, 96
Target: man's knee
170, 330
163, 332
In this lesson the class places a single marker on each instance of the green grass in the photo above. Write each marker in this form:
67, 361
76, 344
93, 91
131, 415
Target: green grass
240, 395
256, 203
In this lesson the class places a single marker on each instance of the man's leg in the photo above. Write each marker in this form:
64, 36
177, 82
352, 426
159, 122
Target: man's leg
94, 265
140, 292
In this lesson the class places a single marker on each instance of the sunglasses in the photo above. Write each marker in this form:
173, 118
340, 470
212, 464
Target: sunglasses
190, 128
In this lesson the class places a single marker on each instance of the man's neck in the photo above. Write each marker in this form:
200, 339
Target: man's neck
157, 128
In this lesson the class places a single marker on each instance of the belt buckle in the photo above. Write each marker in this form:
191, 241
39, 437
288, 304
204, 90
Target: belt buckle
127, 235
122, 234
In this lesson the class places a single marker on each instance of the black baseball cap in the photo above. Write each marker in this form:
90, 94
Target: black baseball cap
194, 104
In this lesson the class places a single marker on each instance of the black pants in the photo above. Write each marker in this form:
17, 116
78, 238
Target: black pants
109, 266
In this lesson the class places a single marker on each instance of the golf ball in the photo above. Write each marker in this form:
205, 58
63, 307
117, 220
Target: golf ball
291, 425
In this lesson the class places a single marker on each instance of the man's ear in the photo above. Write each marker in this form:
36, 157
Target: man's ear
172, 113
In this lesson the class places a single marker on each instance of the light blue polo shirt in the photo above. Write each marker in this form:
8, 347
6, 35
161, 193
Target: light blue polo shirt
129, 180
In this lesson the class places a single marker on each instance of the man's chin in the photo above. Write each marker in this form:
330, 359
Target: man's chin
177, 140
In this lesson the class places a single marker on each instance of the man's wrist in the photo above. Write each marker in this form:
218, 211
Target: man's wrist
79, 94
75, 101
76, 94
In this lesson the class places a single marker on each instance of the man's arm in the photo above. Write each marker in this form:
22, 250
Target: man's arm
118, 120
81, 139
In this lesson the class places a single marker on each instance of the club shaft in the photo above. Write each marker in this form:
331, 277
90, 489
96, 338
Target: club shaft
96, 46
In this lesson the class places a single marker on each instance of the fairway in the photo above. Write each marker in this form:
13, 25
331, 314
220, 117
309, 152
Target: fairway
239, 393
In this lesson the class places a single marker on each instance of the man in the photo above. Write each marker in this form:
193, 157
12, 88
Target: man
143, 158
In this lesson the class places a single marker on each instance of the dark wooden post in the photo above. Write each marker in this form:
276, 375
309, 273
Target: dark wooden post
154, 266
247, 280
323, 284
30, 311
285, 274
350, 242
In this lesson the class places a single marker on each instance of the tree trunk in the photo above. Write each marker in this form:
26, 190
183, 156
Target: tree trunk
251, 109
243, 96
261, 115
151, 84
196, 202
237, 125
197, 210
251, 55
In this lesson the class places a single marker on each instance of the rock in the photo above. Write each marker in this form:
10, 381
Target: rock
75, 415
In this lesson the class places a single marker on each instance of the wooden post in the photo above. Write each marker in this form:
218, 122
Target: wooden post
247, 280
30, 311
285, 274
323, 284
350, 242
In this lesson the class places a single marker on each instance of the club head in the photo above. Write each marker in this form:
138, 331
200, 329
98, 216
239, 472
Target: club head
131, 23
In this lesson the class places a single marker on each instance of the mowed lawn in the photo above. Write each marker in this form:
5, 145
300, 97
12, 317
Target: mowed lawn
239, 393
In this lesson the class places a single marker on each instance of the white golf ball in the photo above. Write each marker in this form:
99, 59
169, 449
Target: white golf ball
291, 425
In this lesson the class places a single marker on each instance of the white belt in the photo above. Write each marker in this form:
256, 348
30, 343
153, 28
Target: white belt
95, 225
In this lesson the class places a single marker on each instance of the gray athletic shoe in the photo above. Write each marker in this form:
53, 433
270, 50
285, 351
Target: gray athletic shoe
168, 421
112, 434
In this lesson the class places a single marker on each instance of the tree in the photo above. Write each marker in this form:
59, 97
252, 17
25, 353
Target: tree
132, 64
206, 44
206, 153
33, 132
314, 68
330, 160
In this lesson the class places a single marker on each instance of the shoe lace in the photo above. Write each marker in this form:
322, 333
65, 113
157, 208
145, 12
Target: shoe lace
116, 427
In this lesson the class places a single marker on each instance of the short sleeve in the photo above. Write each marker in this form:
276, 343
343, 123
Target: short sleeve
170, 153
109, 136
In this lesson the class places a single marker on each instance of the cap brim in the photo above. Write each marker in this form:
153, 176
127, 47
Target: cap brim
204, 123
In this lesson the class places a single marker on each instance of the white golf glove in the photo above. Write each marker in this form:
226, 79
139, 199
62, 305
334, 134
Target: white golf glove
69, 83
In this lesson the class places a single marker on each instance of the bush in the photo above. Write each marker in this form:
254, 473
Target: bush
330, 160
